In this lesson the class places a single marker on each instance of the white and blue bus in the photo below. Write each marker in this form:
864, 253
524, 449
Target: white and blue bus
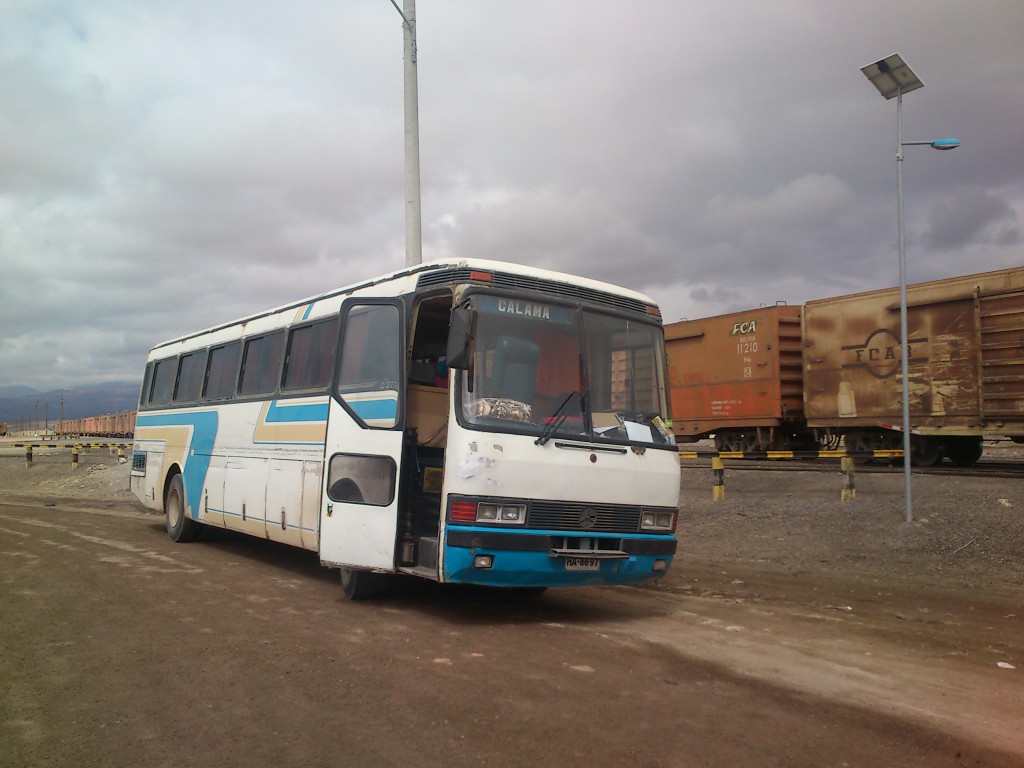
467, 422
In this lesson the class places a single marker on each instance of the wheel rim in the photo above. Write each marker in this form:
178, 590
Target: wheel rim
173, 509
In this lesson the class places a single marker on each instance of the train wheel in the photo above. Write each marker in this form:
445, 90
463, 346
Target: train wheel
859, 442
963, 451
734, 441
179, 527
925, 451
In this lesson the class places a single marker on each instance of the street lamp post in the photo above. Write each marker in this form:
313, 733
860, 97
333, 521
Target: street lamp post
413, 227
893, 77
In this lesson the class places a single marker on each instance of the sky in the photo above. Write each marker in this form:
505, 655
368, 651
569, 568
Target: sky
168, 166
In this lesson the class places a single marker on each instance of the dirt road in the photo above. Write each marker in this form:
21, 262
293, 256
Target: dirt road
122, 648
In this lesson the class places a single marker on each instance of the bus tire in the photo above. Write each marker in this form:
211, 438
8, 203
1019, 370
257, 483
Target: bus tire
361, 585
179, 527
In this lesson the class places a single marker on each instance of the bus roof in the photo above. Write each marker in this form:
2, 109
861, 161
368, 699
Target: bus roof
436, 265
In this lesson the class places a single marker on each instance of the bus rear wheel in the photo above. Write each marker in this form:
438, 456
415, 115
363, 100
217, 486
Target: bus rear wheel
361, 585
179, 527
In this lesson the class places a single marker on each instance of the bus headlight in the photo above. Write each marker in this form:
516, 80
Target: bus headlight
506, 514
487, 512
652, 520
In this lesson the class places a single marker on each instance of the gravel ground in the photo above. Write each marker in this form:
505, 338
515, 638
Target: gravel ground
803, 600
967, 532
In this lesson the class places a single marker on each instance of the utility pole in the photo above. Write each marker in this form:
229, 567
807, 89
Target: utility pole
413, 226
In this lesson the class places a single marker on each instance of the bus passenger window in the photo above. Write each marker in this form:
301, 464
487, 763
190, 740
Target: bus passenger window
163, 381
221, 370
311, 355
261, 364
190, 377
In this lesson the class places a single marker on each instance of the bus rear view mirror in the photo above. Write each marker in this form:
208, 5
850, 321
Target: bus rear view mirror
460, 338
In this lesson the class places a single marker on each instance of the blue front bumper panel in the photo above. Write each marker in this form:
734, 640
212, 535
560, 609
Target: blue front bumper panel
524, 559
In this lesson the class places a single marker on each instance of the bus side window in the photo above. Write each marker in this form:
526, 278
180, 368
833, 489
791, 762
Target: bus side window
147, 379
371, 364
190, 376
311, 355
220, 371
261, 364
163, 381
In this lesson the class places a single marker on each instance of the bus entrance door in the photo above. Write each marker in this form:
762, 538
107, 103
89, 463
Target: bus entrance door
359, 513
359, 507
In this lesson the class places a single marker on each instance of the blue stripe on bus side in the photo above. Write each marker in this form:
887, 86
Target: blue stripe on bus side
278, 413
197, 452
374, 409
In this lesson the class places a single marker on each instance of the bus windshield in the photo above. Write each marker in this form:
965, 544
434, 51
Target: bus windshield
556, 371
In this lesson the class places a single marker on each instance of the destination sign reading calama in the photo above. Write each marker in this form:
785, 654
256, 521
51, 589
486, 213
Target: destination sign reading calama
530, 310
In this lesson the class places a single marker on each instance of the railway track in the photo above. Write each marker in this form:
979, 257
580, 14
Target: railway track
1008, 468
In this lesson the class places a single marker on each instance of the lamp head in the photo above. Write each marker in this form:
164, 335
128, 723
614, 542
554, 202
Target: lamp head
945, 144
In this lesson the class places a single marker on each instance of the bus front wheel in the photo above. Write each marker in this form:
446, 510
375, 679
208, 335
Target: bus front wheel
361, 585
179, 527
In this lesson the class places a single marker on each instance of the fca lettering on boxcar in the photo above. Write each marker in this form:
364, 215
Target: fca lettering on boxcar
880, 353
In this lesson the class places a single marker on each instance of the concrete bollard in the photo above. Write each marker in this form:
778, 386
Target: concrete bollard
718, 470
28, 457
849, 493
74, 457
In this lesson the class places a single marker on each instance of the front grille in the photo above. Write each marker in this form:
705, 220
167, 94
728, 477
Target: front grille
536, 285
588, 518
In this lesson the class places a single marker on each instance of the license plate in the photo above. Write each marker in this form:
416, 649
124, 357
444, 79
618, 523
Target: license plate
582, 564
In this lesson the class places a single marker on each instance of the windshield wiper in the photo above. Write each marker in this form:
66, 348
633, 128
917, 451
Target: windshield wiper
557, 419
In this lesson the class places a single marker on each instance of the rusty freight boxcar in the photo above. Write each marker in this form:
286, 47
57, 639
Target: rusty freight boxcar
739, 377
965, 366
791, 377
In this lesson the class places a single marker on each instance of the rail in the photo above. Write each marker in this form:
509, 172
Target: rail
847, 463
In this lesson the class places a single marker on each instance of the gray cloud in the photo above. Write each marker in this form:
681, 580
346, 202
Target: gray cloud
974, 216
167, 167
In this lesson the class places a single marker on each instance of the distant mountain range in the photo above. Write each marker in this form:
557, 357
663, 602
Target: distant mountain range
19, 404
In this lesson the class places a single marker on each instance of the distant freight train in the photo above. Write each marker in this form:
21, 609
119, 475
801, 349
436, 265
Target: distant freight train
790, 377
108, 425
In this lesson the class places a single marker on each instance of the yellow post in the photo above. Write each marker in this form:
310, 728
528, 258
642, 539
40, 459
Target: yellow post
74, 457
849, 493
718, 470
28, 456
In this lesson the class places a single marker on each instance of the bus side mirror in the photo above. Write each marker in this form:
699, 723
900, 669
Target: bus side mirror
460, 338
